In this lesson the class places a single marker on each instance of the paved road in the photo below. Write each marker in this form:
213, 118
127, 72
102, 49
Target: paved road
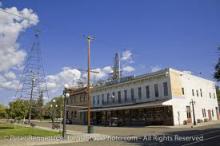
129, 131
199, 136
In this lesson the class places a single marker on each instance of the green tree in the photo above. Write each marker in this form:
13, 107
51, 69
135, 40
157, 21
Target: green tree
51, 110
2, 111
18, 109
37, 107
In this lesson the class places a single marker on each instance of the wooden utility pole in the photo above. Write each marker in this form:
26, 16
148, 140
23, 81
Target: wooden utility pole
89, 38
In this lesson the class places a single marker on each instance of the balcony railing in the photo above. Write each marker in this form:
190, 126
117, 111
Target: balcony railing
125, 102
116, 102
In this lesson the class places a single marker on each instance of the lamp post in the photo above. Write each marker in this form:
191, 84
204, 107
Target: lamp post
53, 107
66, 95
194, 116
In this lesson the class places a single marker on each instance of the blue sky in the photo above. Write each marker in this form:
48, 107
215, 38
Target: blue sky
179, 34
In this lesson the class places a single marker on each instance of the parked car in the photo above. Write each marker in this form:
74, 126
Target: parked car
115, 121
68, 121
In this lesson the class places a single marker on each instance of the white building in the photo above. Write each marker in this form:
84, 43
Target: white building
164, 97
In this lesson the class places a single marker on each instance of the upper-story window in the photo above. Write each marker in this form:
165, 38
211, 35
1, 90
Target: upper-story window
132, 94
156, 90
119, 96
197, 93
93, 100
201, 92
214, 95
139, 93
113, 97
165, 89
147, 91
98, 99
74, 99
108, 96
103, 96
71, 100
80, 98
193, 93
84, 95
183, 92
210, 95
125, 95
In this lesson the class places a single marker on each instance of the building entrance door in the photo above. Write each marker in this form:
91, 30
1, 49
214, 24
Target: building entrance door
209, 114
188, 114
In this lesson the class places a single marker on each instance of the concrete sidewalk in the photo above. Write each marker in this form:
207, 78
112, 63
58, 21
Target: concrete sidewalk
189, 125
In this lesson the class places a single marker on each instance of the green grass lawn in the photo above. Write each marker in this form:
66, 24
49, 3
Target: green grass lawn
7, 130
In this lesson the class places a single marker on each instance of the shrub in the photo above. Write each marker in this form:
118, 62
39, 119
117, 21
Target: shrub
206, 120
199, 120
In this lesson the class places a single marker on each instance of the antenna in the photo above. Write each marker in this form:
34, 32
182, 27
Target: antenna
116, 67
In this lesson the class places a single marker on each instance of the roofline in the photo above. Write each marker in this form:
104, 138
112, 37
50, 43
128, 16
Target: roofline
182, 72
139, 77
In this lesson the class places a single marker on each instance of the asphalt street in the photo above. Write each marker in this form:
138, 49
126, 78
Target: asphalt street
199, 136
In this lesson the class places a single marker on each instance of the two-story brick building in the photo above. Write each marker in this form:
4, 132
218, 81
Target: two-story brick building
77, 101
165, 97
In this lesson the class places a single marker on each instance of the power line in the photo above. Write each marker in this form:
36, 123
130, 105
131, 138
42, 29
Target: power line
16, 15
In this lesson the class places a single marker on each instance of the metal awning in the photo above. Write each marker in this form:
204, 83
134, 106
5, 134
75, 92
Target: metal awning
133, 106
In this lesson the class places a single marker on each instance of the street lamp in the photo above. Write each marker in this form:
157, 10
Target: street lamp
53, 106
65, 95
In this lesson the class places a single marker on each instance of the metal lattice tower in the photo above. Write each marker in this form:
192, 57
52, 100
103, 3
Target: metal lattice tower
116, 68
33, 82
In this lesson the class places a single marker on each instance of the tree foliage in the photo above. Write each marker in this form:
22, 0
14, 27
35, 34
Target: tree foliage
52, 110
2, 111
18, 109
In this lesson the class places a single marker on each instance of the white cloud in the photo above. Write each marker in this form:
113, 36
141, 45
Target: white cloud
12, 57
68, 76
71, 76
155, 68
126, 60
128, 69
10, 75
102, 73
127, 56
108, 69
10, 28
9, 81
